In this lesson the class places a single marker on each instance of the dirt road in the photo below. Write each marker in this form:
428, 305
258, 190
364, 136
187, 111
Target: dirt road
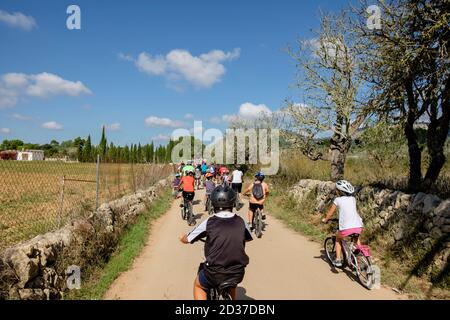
283, 265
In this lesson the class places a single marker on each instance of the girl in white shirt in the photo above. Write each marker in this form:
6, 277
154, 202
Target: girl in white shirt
349, 220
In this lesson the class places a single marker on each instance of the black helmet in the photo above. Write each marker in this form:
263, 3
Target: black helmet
223, 197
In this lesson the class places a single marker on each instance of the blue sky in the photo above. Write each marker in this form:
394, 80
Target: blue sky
143, 68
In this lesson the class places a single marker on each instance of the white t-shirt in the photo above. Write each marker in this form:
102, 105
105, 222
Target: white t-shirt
237, 176
348, 216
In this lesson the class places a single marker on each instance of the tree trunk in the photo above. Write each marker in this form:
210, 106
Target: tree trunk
415, 157
338, 152
436, 137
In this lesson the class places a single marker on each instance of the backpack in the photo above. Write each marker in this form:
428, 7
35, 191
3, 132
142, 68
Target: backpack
258, 191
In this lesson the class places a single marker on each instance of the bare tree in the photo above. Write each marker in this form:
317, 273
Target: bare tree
333, 93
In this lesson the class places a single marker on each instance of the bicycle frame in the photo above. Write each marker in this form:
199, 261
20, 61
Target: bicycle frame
347, 251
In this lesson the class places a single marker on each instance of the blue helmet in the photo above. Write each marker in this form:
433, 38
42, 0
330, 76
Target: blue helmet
259, 175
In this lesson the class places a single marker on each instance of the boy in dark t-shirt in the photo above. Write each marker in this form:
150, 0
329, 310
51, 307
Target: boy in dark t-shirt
226, 234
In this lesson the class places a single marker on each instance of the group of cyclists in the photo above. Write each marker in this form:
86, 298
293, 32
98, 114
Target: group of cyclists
226, 233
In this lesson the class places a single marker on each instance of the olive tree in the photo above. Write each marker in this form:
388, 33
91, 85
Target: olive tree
408, 66
335, 100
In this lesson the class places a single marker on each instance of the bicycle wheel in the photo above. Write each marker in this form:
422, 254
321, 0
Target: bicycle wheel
363, 267
210, 208
258, 223
190, 215
183, 215
330, 249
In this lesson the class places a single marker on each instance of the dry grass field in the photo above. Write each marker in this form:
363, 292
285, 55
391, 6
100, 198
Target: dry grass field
30, 196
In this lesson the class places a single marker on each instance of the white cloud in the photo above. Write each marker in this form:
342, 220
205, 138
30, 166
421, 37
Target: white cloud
151, 65
20, 117
5, 130
42, 85
17, 19
52, 125
48, 84
215, 120
189, 116
247, 111
325, 45
125, 57
161, 137
202, 71
113, 126
153, 121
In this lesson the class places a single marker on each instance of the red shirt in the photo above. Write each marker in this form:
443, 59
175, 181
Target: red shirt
188, 183
222, 170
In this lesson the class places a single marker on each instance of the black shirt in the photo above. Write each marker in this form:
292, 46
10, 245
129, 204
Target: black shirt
226, 234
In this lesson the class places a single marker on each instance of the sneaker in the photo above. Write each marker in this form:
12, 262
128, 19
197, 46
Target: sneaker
337, 263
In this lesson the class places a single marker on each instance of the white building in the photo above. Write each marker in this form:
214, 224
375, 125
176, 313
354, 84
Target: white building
30, 155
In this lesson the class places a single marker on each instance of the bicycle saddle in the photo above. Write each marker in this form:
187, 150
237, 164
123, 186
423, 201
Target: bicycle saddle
227, 285
354, 236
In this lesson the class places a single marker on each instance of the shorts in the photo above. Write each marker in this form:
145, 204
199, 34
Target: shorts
254, 206
347, 232
218, 278
237, 187
204, 282
188, 195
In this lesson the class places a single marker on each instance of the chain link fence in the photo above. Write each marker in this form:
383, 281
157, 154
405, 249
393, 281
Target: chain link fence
40, 196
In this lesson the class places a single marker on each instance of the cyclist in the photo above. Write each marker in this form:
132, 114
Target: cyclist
349, 220
176, 184
236, 181
260, 192
187, 185
226, 234
204, 168
180, 167
188, 167
225, 177
198, 176
209, 187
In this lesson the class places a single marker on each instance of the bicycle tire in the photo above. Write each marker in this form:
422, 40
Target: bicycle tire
210, 208
190, 216
330, 249
363, 267
182, 213
258, 223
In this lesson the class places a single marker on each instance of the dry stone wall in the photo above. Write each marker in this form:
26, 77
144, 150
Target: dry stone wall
420, 220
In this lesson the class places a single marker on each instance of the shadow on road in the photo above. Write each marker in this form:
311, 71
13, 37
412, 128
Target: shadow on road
333, 269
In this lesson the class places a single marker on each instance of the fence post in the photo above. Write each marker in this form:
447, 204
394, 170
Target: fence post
61, 203
97, 181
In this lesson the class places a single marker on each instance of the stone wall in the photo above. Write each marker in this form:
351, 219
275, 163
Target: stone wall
416, 220
32, 269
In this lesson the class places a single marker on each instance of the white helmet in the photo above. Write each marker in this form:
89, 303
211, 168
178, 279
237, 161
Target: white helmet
345, 186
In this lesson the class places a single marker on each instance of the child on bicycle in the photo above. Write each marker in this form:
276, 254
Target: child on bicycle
187, 185
259, 193
226, 235
349, 220
176, 185
209, 187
